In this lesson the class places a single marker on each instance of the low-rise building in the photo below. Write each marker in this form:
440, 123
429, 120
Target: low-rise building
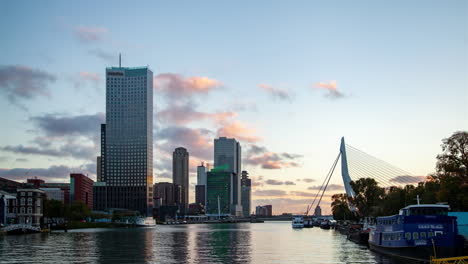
54, 194
29, 206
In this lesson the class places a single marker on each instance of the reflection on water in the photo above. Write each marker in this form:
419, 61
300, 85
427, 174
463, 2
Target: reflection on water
274, 242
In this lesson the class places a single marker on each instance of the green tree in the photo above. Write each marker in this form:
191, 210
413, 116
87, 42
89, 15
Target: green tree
54, 209
452, 171
78, 211
368, 196
453, 162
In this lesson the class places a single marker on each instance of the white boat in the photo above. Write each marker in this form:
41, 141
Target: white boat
145, 221
298, 221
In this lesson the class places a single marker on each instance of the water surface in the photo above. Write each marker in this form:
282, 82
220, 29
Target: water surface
270, 242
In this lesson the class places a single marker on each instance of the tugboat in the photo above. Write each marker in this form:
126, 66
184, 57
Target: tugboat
298, 221
417, 233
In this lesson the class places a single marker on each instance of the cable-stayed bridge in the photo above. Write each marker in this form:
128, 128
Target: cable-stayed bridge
356, 164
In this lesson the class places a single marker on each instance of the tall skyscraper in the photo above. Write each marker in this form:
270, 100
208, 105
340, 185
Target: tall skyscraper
200, 188
180, 174
227, 154
128, 141
245, 193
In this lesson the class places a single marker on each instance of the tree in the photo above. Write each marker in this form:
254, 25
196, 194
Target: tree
340, 207
368, 195
452, 171
453, 162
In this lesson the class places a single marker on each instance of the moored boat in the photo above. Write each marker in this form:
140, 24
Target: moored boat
417, 233
298, 221
145, 221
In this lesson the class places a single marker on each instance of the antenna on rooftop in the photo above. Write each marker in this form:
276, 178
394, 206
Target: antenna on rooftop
120, 60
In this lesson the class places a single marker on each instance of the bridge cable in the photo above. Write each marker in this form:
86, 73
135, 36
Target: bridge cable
318, 192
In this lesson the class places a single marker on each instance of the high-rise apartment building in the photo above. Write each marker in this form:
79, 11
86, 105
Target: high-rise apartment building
245, 193
180, 174
128, 139
227, 155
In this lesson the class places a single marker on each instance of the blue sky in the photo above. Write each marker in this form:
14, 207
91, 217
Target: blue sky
400, 67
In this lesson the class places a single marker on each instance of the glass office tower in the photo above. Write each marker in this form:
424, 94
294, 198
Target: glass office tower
129, 138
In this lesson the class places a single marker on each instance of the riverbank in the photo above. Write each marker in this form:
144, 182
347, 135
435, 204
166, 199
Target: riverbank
81, 225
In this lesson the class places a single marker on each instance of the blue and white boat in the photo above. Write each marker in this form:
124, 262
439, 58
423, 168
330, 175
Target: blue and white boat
417, 233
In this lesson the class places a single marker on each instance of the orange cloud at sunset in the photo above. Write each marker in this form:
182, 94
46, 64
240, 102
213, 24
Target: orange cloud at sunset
238, 130
175, 85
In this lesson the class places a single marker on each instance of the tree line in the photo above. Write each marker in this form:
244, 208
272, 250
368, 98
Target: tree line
449, 184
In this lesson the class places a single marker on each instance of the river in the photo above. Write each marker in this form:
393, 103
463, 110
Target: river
269, 242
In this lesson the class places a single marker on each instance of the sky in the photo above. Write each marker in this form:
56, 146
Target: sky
287, 79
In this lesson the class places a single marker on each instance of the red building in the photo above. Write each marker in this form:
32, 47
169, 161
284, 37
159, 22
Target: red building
81, 189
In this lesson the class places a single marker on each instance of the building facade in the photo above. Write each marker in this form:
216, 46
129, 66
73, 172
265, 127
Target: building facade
264, 210
54, 194
227, 156
200, 194
246, 191
102, 159
167, 194
81, 189
219, 196
180, 174
318, 211
128, 140
29, 206
200, 188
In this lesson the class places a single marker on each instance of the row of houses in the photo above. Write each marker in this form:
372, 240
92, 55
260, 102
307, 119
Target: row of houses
23, 203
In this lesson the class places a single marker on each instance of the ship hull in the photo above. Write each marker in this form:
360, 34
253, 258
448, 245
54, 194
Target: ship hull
414, 253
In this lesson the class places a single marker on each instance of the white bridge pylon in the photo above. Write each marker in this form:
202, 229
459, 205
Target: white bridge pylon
345, 175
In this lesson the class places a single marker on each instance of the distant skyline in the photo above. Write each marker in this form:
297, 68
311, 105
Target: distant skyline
287, 80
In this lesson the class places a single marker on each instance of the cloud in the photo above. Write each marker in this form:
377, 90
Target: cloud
308, 180
176, 86
182, 114
198, 142
276, 182
59, 135
331, 87
269, 193
84, 77
59, 125
275, 92
89, 76
305, 194
69, 149
260, 156
406, 179
330, 187
164, 174
103, 55
21, 82
90, 34
54, 173
238, 130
